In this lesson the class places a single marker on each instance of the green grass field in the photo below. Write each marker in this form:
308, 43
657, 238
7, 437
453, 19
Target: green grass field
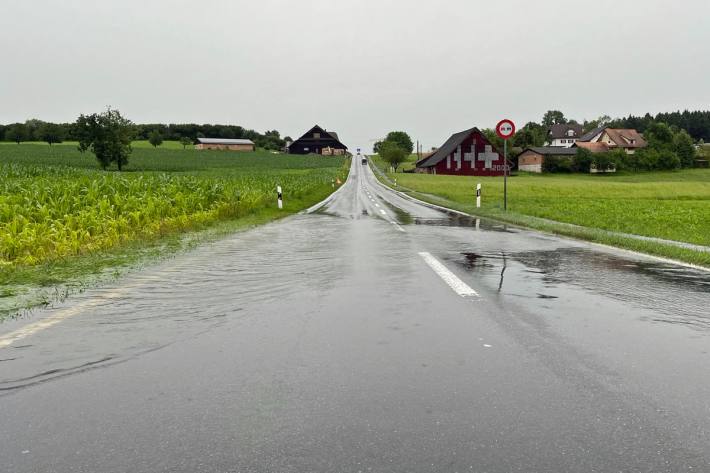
57, 206
667, 205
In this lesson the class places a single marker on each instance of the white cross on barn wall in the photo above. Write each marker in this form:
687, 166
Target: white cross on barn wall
471, 156
457, 158
488, 156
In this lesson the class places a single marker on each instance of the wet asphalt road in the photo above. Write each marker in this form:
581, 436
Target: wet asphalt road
327, 343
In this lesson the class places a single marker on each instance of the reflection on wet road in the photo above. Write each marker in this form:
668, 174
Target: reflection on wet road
327, 342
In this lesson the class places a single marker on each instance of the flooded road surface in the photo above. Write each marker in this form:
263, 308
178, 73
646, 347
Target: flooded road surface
371, 334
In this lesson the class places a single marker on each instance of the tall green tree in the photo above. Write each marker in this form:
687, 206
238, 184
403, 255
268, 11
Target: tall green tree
393, 154
33, 127
108, 135
531, 134
402, 139
659, 135
185, 142
17, 132
553, 117
155, 138
589, 125
50, 133
684, 148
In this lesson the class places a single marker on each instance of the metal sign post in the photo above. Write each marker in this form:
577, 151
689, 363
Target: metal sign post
505, 174
505, 129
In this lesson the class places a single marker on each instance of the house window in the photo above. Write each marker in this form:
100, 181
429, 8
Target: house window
570, 132
316, 135
306, 149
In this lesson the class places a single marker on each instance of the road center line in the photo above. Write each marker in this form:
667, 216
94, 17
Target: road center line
459, 287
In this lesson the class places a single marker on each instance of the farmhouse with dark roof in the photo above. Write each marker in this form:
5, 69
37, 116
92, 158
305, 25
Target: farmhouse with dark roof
319, 141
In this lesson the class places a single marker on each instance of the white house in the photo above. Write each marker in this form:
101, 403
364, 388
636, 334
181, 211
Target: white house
563, 134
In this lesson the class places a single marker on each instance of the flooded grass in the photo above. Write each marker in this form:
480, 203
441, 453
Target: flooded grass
64, 222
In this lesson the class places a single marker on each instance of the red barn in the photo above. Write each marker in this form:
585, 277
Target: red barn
467, 153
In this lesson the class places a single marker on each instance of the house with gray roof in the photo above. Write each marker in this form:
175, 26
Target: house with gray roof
563, 134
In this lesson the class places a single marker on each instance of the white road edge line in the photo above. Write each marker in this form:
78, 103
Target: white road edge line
459, 287
399, 227
383, 212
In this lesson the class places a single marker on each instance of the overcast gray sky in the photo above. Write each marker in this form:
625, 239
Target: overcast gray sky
360, 68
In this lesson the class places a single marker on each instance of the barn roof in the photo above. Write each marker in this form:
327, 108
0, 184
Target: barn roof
224, 141
594, 147
626, 137
307, 136
552, 150
559, 130
446, 149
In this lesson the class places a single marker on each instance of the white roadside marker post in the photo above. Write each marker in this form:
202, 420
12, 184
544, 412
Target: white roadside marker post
478, 195
279, 196
395, 182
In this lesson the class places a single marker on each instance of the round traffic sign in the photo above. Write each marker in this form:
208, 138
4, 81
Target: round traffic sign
505, 129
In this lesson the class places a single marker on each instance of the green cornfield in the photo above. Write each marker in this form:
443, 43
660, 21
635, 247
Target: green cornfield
56, 203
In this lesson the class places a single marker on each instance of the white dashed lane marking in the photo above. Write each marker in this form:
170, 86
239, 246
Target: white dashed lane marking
459, 287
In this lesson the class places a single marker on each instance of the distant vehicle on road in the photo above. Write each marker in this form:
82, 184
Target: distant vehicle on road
364, 160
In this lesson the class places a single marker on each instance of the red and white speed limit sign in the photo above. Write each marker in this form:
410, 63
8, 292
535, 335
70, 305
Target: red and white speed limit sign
505, 129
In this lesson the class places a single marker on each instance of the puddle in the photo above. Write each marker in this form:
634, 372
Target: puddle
675, 294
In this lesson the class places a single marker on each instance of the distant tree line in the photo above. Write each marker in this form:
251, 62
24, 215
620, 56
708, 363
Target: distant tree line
696, 123
38, 130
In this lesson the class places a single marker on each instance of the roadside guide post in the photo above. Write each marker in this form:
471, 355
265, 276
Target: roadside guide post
279, 197
505, 129
478, 195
